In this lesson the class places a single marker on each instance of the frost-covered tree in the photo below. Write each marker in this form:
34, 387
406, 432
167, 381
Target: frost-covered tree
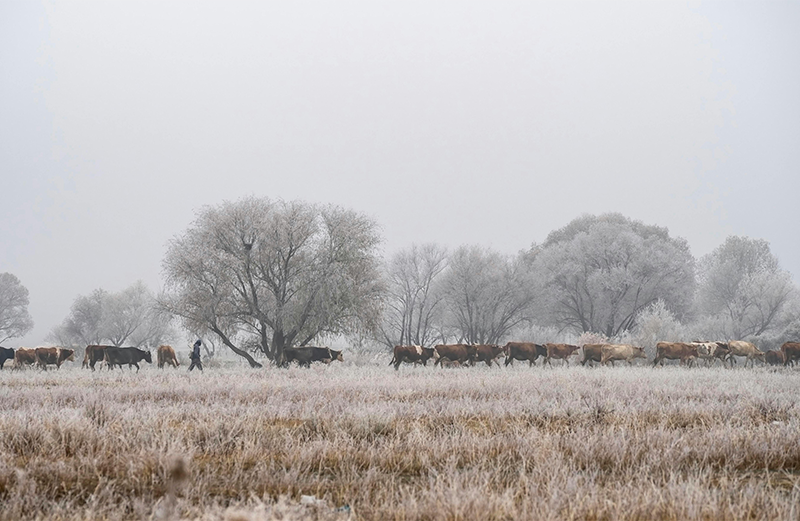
130, 317
654, 324
601, 271
273, 274
413, 306
742, 287
487, 294
15, 320
84, 324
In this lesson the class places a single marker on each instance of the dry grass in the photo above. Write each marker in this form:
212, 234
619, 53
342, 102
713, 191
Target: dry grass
516, 443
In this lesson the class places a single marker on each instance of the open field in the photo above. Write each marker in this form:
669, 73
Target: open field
477, 443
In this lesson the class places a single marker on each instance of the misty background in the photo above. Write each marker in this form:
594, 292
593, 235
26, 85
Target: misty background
454, 123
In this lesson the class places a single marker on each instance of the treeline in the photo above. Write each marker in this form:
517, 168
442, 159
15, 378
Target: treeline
260, 275
600, 278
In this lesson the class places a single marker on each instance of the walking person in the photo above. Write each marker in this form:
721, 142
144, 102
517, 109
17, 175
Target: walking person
195, 356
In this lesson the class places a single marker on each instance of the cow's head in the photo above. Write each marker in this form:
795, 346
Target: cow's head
336, 355
638, 352
571, 349
147, 357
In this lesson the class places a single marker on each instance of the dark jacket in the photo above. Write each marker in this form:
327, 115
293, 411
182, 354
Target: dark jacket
196, 351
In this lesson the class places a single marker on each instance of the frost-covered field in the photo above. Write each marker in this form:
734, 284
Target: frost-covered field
420, 443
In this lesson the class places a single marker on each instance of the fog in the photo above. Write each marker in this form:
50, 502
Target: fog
455, 123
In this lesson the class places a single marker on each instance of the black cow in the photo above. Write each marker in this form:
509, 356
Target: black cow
5, 354
93, 354
306, 355
125, 355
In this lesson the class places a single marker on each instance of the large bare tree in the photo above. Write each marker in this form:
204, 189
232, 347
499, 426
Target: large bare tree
270, 274
601, 271
487, 293
414, 301
742, 284
15, 320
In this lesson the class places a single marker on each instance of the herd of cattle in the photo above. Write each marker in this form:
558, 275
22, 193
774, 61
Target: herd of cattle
131, 356
442, 354
687, 353
111, 355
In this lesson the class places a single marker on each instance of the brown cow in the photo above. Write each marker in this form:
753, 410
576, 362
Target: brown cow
412, 354
742, 348
24, 356
627, 352
791, 352
460, 353
774, 357
593, 353
166, 355
561, 351
711, 351
686, 353
488, 353
92, 355
723, 353
523, 351
53, 356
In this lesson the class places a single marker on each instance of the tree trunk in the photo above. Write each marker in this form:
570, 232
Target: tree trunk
278, 343
240, 352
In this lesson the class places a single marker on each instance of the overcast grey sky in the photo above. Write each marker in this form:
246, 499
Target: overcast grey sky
455, 122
